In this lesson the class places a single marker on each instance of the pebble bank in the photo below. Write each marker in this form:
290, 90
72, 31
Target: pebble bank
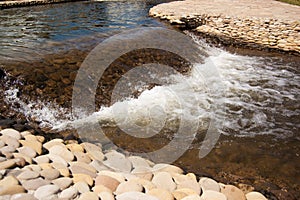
33, 168
250, 23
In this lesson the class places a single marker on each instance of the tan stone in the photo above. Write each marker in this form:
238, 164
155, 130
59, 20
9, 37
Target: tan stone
107, 181
128, 186
11, 189
88, 196
52, 143
9, 180
7, 164
83, 177
35, 145
232, 192
75, 147
164, 180
161, 194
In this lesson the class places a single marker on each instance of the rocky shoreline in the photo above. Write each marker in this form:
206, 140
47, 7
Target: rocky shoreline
272, 26
32, 167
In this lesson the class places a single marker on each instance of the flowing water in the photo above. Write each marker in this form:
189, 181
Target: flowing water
257, 96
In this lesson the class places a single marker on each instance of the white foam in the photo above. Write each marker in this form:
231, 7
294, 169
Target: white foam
249, 101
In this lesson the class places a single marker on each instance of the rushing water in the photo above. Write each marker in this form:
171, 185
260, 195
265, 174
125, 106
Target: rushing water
259, 97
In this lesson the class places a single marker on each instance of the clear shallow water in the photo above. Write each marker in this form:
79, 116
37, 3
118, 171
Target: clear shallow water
33, 31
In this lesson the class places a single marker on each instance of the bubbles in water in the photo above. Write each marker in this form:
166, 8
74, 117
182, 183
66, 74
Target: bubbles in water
258, 96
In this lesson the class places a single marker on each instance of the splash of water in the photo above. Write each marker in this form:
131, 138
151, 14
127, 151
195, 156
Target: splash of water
259, 96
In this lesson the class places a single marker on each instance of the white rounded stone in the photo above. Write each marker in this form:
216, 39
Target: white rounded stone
164, 180
255, 196
11, 132
61, 151
117, 162
26, 175
209, 184
129, 186
69, 193
46, 191
210, 194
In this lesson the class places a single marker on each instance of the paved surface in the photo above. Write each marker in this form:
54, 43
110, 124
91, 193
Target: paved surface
234, 8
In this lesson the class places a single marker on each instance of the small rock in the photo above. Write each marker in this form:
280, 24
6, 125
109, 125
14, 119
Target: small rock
61, 151
7, 164
57, 159
119, 177
11, 132
34, 184
10, 141
101, 188
22, 196
53, 142
35, 145
9, 180
63, 182
32, 167
75, 147
167, 168
98, 165
41, 159
106, 196
46, 191
11, 189
183, 192
164, 180
45, 166
209, 184
26, 158
82, 168
135, 196
232, 192
26, 175
90, 147
81, 187
20, 162
50, 174
143, 172
107, 181
7, 150
117, 161
82, 157
69, 193
138, 161
30, 137
88, 196
63, 170
129, 186
255, 196
83, 177
161, 194
210, 194
27, 151
148, 185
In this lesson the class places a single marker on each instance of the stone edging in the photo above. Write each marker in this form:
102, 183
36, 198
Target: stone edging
274, 34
